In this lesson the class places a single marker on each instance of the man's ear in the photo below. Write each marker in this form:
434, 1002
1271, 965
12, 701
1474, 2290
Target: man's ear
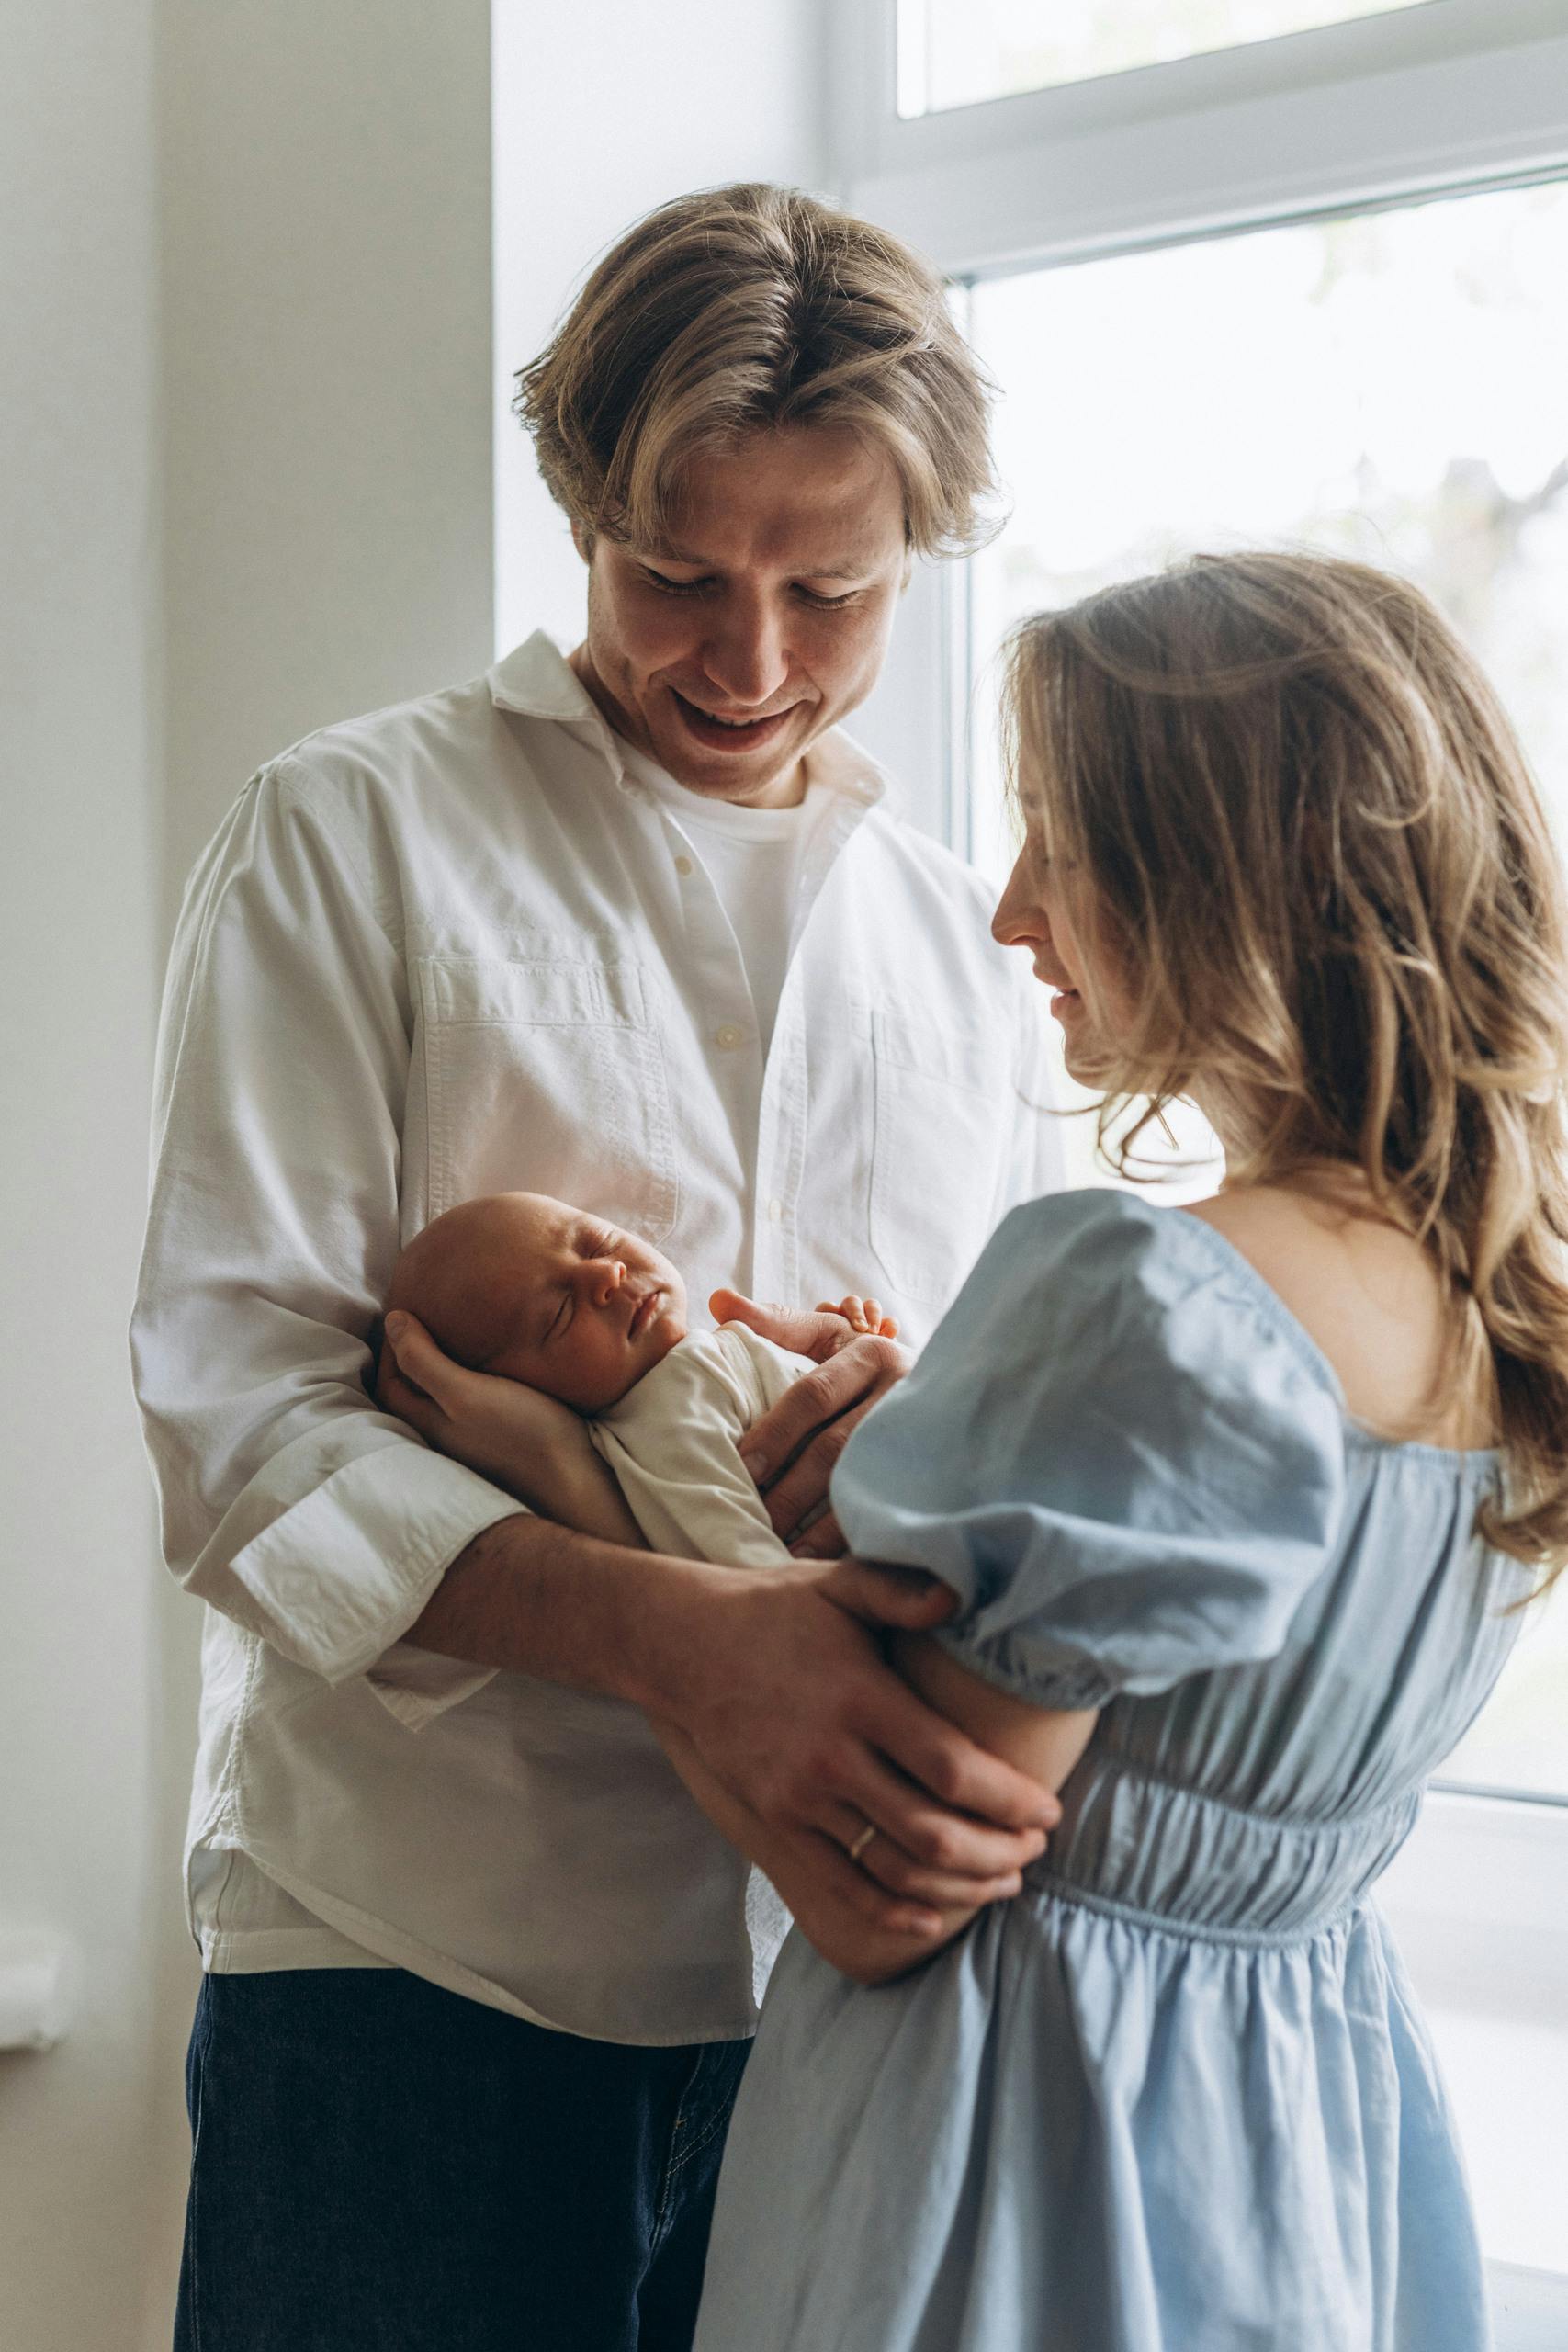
582, 539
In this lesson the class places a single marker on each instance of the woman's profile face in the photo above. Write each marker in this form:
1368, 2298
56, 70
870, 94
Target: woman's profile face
1036, 913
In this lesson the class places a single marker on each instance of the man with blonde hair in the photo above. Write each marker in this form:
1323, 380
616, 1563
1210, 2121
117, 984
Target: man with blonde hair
629, 927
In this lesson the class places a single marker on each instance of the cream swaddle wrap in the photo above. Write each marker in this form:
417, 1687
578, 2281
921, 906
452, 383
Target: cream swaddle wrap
672, 1443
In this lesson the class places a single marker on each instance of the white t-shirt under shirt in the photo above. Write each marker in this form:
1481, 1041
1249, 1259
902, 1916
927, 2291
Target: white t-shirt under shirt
755, 859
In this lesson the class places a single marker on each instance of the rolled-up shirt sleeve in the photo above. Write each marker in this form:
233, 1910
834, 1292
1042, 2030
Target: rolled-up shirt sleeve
289, 1502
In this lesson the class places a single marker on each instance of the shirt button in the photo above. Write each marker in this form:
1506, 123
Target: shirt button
775, 1211
682, 866
728, 1035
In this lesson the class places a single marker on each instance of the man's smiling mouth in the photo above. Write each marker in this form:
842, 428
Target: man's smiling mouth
709, 725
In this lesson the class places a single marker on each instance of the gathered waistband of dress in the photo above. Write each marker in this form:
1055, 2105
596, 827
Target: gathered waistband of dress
1061, 1891
1187, 1861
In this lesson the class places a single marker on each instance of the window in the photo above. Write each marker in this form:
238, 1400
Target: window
1390, 385
958, 53
1296, 290
1518, 1748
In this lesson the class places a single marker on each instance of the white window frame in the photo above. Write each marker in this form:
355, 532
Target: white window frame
1452, 96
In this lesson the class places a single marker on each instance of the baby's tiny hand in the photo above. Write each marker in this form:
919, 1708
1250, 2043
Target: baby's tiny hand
861, 1315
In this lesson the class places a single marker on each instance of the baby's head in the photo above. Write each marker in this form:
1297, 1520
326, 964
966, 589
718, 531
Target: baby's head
521, 1284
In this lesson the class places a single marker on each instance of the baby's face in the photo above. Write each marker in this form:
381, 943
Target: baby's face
588, 1307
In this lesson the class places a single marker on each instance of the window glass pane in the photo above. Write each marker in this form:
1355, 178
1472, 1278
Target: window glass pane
1388, 386
959, 52
1521, 1741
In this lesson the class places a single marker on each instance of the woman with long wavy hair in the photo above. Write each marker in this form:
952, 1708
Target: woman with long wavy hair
1238, 1506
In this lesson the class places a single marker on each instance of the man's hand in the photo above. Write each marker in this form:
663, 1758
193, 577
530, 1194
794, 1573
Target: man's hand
776, 1684
500, 1428
790, 1450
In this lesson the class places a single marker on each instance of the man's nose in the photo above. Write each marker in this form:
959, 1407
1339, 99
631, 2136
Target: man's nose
745, 654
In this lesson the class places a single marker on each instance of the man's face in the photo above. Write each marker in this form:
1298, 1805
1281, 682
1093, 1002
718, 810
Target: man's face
725, 654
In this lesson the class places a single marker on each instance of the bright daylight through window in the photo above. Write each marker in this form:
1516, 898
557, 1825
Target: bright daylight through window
1389, 386
960, 53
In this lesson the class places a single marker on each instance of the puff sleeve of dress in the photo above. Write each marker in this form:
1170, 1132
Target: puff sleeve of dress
1119, 1448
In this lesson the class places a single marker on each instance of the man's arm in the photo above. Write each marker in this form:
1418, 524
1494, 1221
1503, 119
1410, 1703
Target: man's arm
819, 1883
289, 1502
783, 1699
1046, 1743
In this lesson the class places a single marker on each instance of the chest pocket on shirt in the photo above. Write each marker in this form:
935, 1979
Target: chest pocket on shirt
547, 1076
943, 1108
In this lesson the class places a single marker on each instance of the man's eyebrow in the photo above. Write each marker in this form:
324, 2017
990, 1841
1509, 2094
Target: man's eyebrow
842, 568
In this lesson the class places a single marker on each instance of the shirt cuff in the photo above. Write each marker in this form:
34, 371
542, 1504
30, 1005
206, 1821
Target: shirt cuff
339, 1577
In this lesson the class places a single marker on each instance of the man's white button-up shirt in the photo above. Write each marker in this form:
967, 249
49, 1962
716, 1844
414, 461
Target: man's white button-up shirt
451, 949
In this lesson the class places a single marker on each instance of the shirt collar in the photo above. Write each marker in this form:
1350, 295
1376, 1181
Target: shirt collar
846, 767
539, 681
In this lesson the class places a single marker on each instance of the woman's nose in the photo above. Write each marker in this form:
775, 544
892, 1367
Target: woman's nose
1016, 920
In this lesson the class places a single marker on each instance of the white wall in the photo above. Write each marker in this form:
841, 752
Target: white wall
78, 753
244, 396
326, 222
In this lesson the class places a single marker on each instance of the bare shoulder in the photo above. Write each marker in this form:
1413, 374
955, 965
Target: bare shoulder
1309, 1249
1295, 1239
1366, 1294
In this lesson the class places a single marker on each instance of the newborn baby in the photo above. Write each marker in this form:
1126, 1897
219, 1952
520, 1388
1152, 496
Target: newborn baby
526, 1287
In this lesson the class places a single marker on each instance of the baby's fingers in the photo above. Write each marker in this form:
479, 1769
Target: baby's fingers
860, 1314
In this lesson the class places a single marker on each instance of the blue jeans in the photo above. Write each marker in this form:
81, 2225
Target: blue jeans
382, 2166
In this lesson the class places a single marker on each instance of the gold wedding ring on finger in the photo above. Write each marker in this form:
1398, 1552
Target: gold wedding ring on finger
861, 1842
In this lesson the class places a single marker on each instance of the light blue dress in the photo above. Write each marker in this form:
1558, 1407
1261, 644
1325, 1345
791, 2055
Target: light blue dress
1176, 2097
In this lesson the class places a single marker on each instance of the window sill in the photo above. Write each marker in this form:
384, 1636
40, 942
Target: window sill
1529, 2308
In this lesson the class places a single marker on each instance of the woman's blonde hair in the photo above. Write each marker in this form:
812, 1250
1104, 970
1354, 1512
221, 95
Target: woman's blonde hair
745, 307
1308, 842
